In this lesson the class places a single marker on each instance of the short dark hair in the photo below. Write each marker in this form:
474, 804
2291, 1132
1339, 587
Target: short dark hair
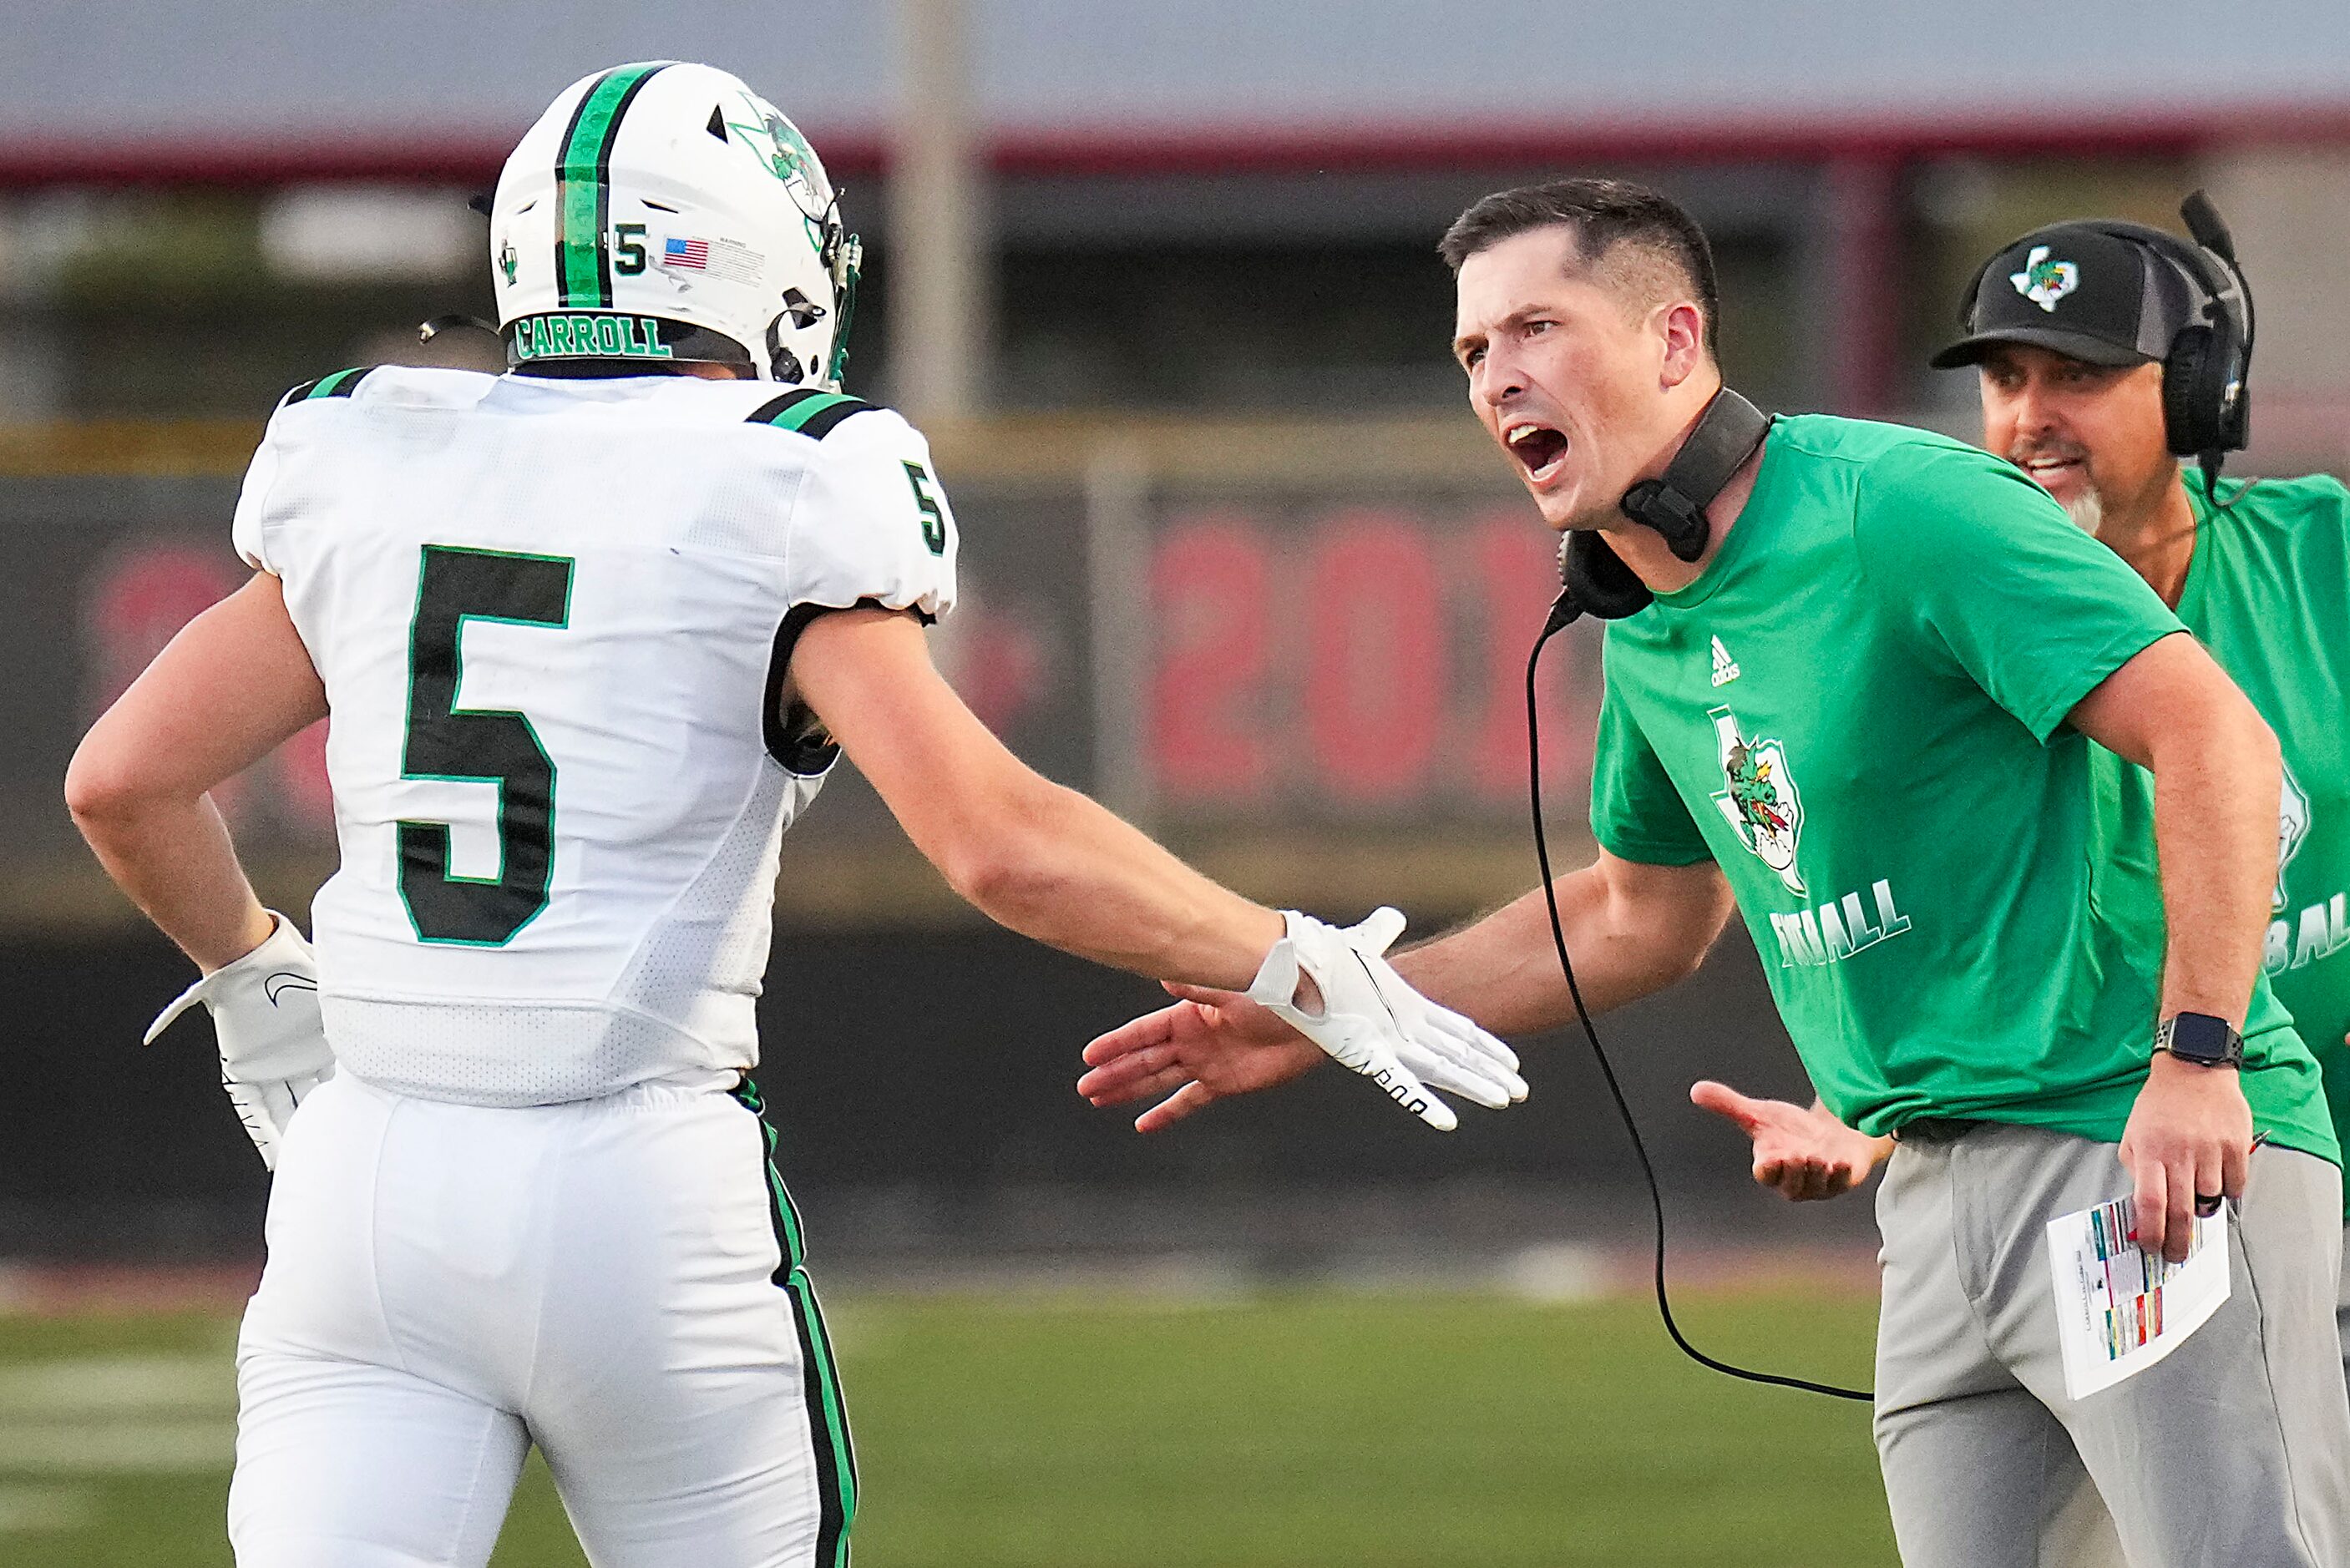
1603, 215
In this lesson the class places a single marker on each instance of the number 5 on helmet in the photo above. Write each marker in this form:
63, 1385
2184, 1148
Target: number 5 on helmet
1373, 1021
273, 1046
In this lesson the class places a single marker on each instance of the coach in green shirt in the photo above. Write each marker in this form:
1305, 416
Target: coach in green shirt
2072, 394
1862, 716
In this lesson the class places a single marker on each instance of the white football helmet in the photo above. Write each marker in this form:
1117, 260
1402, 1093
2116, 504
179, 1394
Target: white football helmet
665, 212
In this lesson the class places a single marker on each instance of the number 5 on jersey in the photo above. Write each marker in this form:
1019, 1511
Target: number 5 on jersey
476, 745
934, 519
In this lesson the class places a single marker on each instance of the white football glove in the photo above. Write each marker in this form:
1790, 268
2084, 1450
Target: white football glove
1374, 1023
273, 1046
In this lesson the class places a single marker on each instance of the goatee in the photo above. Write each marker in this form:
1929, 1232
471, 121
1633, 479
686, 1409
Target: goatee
2086, 509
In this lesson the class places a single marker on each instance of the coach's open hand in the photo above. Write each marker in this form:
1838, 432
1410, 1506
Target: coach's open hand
1805, 1154
1209, 1046
2189, 1135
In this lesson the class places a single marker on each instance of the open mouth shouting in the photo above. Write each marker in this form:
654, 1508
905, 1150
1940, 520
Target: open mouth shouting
1540, 450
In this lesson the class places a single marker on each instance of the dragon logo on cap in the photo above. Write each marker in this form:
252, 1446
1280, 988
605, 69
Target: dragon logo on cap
2044, 281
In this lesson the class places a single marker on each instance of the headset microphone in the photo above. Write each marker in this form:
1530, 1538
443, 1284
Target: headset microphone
1598, 582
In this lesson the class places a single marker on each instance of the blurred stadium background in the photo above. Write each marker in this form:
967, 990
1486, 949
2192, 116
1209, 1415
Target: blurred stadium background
1160, 284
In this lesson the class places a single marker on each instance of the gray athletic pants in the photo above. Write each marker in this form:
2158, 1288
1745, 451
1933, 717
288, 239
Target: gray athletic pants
2232, 1453
2341, 1305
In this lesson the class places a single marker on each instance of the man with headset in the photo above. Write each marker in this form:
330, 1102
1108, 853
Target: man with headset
1852, 676
2100, 371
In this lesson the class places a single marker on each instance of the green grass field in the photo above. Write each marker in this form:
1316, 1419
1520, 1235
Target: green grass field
1282, 1431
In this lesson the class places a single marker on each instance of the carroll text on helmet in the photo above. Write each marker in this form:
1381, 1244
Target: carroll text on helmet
602, 336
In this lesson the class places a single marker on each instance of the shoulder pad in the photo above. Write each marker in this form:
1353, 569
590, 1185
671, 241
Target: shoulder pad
808, 412
341, 384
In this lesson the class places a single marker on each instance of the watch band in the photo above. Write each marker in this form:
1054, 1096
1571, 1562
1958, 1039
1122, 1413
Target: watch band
2201, 1038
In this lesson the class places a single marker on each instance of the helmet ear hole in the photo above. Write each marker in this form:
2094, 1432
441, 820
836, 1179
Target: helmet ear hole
2190, 406
717, 125
782, 363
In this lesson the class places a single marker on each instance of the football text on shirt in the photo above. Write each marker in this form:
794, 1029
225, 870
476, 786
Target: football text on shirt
1839, 927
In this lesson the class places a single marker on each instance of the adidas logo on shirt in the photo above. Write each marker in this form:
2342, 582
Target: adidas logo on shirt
1725, 669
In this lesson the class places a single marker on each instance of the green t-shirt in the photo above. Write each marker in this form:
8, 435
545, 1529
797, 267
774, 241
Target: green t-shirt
2267, 592
1858, 711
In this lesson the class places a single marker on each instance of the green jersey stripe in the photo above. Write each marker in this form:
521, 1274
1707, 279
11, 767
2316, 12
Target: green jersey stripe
341, 384
810, 412
797, 418
826, 419
583, 188
774, 408
795, 413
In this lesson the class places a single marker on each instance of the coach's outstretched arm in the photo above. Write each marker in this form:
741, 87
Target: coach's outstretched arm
1051, 864
2173, 710
1631, 928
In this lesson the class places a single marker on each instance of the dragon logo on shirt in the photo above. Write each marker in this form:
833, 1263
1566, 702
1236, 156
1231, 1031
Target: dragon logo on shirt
2044, 281
2293, 826
1761, 804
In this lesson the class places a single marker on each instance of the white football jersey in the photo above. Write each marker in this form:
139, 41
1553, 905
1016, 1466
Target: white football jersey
551, 616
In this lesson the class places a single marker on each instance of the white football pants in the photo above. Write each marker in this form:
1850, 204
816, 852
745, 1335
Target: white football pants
617, 1280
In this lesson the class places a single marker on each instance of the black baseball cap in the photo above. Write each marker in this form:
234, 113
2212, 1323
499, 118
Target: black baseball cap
2076, 289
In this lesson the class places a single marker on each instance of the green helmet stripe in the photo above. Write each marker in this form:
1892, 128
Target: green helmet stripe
582, 190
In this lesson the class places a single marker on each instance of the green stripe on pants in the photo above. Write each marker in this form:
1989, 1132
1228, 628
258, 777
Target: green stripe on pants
835, 1458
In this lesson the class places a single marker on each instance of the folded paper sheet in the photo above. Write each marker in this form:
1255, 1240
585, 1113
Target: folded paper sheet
2120, 1308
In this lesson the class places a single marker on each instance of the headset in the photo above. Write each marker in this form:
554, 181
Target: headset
1596, 580
2207, 370
1597, 583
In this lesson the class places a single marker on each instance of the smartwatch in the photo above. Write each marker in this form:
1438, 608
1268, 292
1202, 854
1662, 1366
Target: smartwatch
2200, 1038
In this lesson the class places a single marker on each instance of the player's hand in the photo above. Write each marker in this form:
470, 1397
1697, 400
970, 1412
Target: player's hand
1209, 1046
273, 1046
1805, 1154
1369, 1019
2188, 1144
1212, 1043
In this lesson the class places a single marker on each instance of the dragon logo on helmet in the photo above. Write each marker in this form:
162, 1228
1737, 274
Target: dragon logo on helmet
784, 152
778, 144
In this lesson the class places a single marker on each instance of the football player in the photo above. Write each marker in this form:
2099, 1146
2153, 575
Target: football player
590, 635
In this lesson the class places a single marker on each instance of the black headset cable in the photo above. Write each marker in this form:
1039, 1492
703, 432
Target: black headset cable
1560, 614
